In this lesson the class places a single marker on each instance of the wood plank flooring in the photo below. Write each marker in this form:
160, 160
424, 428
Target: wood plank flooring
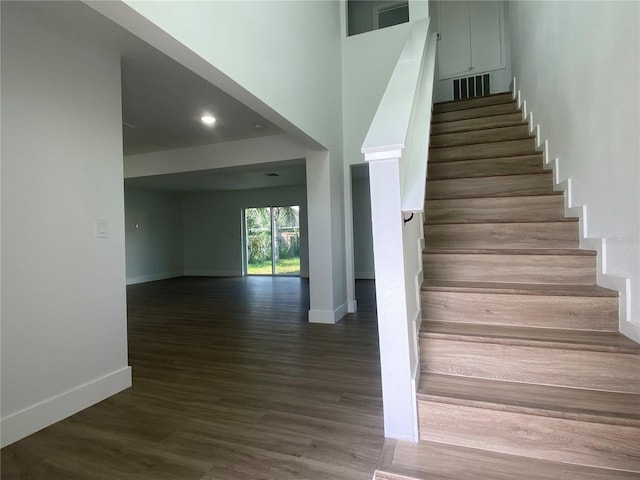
230, 382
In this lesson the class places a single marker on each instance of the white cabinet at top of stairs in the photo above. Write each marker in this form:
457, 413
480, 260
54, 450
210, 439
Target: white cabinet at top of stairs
471, 37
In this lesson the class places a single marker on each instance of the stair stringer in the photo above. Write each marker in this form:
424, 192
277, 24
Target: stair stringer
604, 279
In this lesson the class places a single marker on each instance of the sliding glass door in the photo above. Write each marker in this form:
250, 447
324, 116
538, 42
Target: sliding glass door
272, 240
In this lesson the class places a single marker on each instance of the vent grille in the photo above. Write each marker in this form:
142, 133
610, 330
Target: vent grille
469, 87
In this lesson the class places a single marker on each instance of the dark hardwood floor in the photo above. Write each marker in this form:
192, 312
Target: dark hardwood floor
230, 382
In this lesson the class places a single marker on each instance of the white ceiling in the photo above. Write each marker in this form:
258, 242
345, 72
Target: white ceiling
162, 103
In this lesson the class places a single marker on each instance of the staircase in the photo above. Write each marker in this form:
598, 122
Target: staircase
524, 373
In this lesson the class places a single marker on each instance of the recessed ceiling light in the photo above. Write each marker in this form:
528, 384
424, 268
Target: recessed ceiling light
258, 126
208, 119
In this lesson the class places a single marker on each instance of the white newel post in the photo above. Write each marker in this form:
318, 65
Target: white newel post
395, 338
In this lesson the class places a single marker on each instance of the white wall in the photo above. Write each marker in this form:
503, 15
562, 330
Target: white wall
64, 339
578, 67
153, 234
213, 243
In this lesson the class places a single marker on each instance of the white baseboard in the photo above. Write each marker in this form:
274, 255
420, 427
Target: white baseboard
36, 417
321, 316
153, 277
352, 306
328, 316
604, 279
212, 273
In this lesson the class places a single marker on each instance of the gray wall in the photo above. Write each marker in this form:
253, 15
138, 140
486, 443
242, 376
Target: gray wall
153, 233
362, 236
197, 233
213, 228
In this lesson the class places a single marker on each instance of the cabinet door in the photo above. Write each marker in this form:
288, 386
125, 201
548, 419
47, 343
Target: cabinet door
454, 47
486, 35
471, 37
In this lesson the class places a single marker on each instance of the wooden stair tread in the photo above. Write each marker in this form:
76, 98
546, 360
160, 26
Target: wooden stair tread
486, 167
475, 112
522, 146
428, 460
467, 103
527, 336
540, 172
512, 251
521, 289
489, 121
516, 131
518, 123
511, 157
471, 196
560, 402
503, 220
484, 143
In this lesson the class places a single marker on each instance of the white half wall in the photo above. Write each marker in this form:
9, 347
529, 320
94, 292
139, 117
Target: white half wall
64, 332
153, 234
578, 66
213, 242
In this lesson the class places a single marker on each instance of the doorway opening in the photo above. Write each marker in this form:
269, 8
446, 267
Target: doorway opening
272, 240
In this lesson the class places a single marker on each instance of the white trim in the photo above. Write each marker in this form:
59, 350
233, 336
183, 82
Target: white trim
340, 312
352, 306
20, 424
153, 277
415, 382
328, 316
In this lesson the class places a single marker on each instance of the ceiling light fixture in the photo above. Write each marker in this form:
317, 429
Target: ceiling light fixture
258, 126
208, 120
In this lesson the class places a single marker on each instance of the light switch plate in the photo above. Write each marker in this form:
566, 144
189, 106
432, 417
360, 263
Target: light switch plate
102, 228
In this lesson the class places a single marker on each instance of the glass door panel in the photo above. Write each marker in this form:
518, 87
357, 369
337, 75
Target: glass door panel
259, 241
273, 240
286, 228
